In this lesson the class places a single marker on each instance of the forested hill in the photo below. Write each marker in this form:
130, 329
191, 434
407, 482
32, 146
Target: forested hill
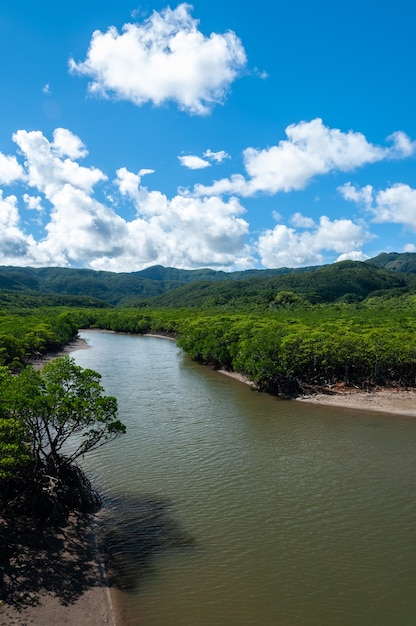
158, 286
348, 281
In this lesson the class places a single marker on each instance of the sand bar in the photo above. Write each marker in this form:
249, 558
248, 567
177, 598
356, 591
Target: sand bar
397, 401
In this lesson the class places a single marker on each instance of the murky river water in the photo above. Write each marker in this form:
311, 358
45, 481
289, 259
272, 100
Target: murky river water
238, 509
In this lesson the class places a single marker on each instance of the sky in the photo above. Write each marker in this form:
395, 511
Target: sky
214, 134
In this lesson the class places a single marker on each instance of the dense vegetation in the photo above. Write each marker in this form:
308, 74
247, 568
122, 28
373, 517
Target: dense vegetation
48, 419
289, 332
348, 322
287, 351
297, 348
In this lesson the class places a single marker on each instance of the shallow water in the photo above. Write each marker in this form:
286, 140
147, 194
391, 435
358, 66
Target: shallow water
234, 508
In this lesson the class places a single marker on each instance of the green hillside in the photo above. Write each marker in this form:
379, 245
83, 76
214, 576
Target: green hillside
158, 286
350, 281
393, 261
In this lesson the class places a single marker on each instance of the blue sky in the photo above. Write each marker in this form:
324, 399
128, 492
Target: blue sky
206, 135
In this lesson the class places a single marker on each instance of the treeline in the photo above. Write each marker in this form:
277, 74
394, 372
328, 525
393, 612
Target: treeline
295, 348
299, 354
28, 334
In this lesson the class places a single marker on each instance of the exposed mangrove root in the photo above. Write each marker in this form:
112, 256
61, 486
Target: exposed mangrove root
48, 492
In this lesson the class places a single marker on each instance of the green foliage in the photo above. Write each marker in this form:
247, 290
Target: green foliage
349, 281
14, 449
26, 334
393, 261
56, 403
49, 418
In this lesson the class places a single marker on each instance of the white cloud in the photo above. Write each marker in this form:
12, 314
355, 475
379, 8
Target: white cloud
164, 58
129, 183
47, 171
353, 255
16, 248
285, 247
80, 227
193, 162
181, 231
301, 221
402, 146
396, 204
66, 144
311, 149
359, 196
10, 170
33, 202
218, 156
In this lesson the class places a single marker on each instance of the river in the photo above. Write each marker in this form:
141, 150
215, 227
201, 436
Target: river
234, 508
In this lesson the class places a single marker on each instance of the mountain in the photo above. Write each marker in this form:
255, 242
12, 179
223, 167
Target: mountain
160, 286
395, 261
351, 281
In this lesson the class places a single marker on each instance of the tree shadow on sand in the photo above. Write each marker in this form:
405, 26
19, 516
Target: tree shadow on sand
66, 560
59, 560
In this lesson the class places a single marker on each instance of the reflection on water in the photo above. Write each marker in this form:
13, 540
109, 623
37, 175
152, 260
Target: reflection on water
260, 511
133, 531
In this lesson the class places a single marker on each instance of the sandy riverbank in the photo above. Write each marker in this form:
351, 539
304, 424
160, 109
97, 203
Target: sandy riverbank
396, 401
54, 576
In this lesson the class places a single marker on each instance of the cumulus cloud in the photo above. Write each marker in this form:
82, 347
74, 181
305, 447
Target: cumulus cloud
13, 242
10, 170
47, 170
182, 231
81, 226
396, 204
33, 202
129, 182
286, 247
83, 231
164, 58
402, 146
66, 144
193, 162
359, 196
311, 149
185, 231
301, 221
353, 255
